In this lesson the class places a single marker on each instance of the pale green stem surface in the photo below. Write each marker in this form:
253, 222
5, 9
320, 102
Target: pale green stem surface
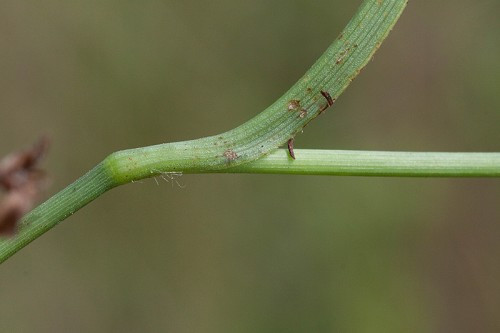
258, 137
374, 163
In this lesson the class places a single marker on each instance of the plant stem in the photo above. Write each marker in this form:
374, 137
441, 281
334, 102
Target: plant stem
309, 97
57, 208
374, 163
330, 75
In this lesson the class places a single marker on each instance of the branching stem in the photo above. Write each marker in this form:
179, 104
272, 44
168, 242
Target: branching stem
251, 147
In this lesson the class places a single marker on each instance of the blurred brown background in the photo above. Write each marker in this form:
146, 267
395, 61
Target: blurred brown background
252, 253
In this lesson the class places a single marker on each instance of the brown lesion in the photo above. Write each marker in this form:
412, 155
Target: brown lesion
231, 155
344, 53
22, 181
293, 105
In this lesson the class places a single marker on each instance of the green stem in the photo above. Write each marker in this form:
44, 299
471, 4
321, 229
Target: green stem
57, 208
374, 163
329, 76
308, 162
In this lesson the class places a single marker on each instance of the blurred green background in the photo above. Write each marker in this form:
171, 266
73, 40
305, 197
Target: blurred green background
252, 253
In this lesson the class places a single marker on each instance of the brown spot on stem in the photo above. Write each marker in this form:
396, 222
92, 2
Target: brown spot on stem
343, 54
230, 155
293, 105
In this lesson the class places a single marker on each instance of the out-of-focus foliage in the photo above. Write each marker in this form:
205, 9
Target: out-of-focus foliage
250, 253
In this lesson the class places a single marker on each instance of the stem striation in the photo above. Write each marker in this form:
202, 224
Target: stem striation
374, 163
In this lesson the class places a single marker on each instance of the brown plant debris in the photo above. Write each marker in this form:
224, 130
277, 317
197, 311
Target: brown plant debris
22, 181
329, 101
290, 148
